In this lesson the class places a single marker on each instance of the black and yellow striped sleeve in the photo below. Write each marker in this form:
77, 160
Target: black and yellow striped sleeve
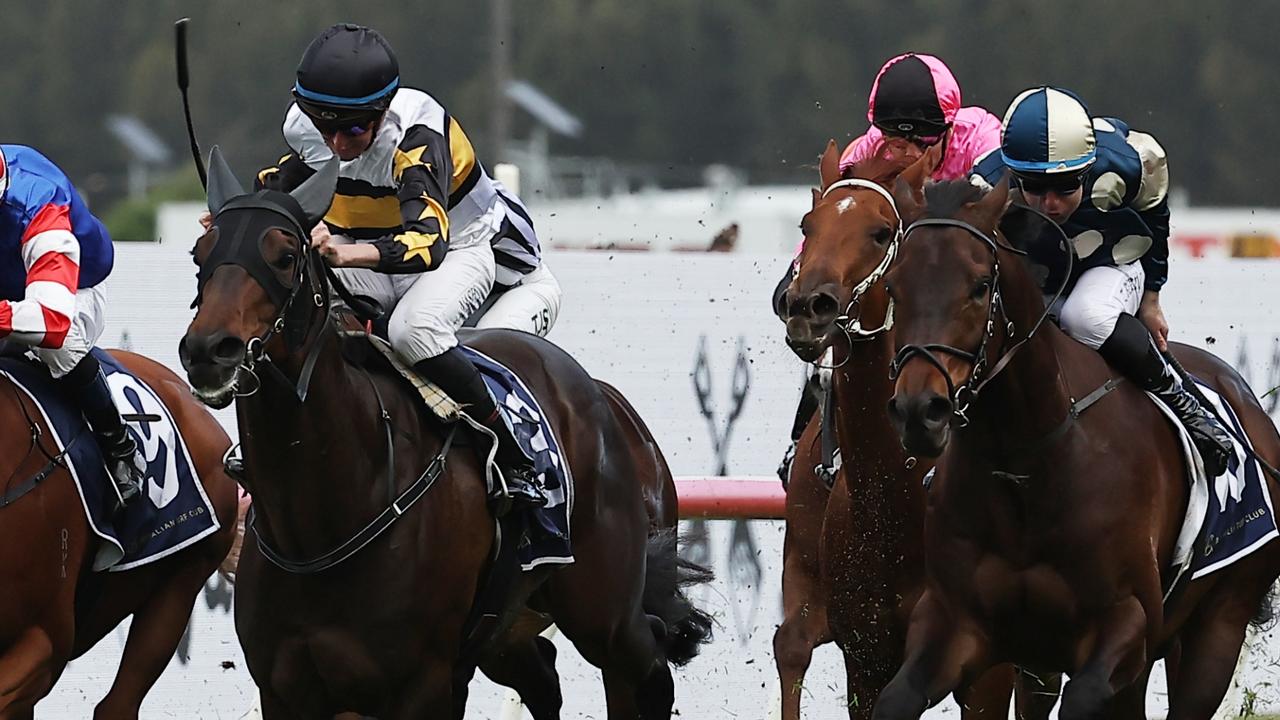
421, 172
287, 174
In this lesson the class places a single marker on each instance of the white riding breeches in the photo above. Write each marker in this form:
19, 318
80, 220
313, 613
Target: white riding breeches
428, 308
531, 306
86, 327
1089, 313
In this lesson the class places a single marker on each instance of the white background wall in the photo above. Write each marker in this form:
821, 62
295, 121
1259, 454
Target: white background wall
636, 320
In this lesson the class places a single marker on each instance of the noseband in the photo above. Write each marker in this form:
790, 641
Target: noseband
964, 395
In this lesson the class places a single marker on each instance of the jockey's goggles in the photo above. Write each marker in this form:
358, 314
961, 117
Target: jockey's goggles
332, 121
1045, 184
912, 134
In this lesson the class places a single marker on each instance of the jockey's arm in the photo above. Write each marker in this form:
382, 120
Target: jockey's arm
422, 167
1155, 263
51, 256
1152, 205
286, 175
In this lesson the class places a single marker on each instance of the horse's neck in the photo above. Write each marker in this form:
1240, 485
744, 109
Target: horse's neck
875, 466
1029, 399
315, 467
862, 390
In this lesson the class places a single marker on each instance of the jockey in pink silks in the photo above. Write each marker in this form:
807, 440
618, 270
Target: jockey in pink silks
914, 105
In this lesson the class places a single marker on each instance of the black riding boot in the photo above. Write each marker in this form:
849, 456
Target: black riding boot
1133, 352
810, 396
455, 374
87, 386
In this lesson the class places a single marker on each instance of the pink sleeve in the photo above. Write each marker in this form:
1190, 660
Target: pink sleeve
859, 149
982, 134
987, 137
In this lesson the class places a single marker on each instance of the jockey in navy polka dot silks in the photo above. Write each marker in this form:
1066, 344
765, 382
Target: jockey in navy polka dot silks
1106, 185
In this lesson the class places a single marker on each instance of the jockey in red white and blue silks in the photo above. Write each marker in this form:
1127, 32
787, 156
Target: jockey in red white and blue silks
54, 257
914, 105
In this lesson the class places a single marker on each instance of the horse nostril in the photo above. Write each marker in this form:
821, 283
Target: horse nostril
229, 349
895, 409
184, 354
823, 305
937, 410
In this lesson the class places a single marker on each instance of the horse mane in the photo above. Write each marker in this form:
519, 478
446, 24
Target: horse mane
944, 199
878, 167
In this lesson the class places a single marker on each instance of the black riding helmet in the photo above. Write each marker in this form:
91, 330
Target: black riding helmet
348, 73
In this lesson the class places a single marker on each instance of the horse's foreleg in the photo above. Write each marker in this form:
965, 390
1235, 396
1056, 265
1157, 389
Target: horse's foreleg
938, 656
988, 697
153, 637
27, 671
1036, 695
1117, 660
428, 695
801, 631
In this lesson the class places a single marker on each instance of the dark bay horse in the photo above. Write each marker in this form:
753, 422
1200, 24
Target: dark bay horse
53, 607
870, 562
328, 437
1050, 532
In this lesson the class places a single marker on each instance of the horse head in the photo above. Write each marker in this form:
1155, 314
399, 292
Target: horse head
260, 288
851, 237
946, 294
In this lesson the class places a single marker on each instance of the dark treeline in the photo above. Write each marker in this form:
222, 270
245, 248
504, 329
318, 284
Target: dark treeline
757, 84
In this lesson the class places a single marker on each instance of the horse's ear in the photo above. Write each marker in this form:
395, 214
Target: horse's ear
316, 194
817, 195
920, 170
993, 205
829, 168
223, 184
908, 198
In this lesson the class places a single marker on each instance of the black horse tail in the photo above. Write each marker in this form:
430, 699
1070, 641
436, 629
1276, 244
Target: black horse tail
666, 576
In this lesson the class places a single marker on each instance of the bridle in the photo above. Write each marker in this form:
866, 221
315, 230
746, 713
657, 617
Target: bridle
850, 321
252, 218
966, 393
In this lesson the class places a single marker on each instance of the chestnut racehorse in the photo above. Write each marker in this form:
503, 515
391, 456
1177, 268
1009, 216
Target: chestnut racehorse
868, 568
53, 607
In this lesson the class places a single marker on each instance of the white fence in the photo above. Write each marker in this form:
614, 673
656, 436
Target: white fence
637, 320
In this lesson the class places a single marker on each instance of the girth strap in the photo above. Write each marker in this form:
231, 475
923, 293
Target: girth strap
397, 507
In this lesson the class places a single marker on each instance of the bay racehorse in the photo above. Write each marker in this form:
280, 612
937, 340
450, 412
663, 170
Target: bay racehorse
870, 562
53, 607
331, 439
1059, 493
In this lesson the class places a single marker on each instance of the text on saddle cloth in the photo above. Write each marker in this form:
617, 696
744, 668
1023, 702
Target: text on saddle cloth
1228, 517
171, 513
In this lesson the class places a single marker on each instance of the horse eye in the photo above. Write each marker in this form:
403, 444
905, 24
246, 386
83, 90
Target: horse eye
882, 236
286, 261
981, 288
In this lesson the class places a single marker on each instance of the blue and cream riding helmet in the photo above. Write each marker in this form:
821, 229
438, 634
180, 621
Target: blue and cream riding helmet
1047, 131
